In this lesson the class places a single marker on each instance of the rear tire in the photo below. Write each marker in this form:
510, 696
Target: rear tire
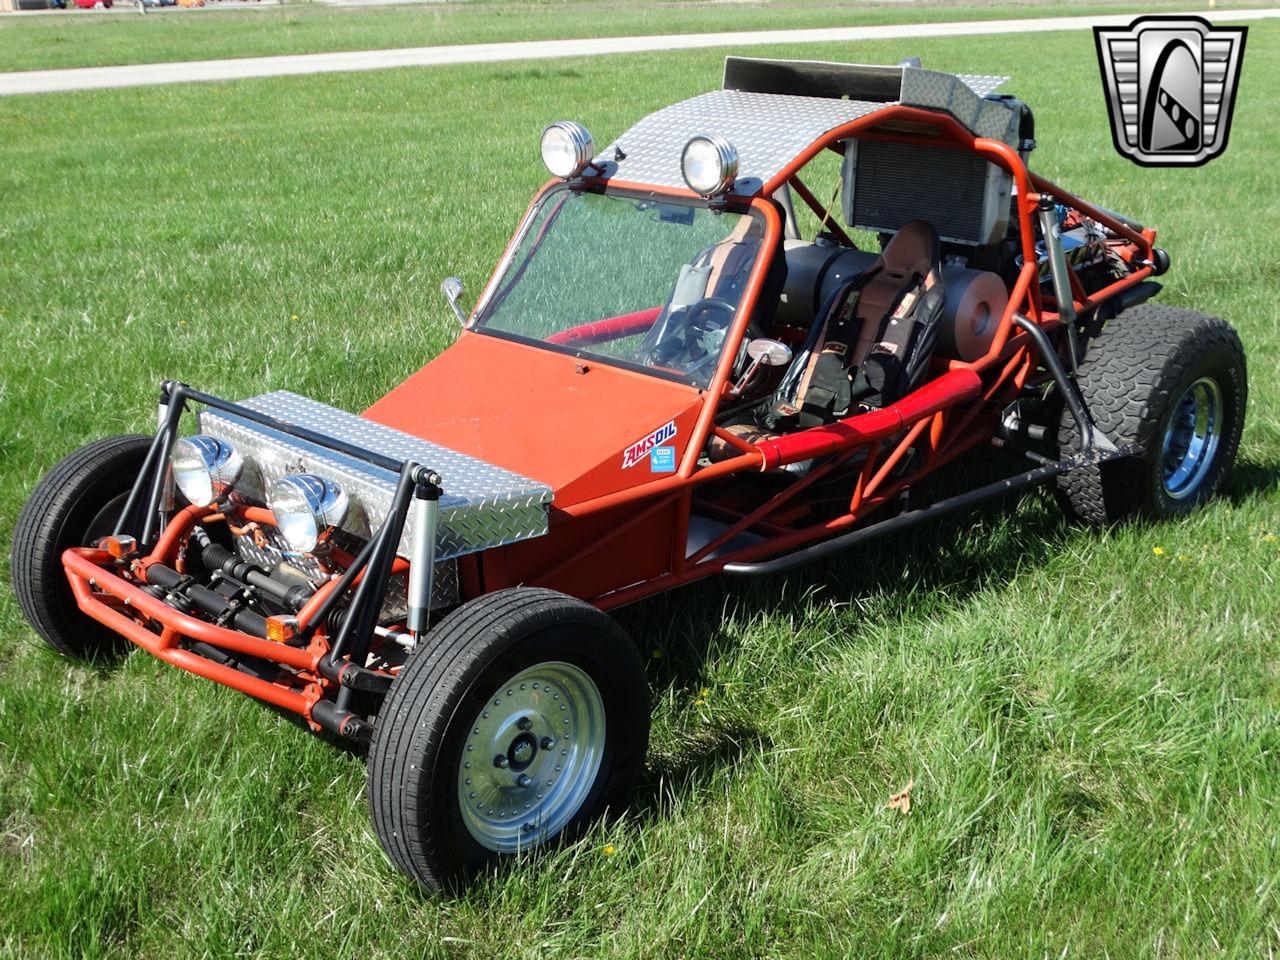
76, 503
1172, 383
527, 703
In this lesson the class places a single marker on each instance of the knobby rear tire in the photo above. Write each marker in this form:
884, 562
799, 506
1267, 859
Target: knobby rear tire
1136, 371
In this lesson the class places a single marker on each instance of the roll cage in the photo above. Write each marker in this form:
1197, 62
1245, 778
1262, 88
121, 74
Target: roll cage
948, 414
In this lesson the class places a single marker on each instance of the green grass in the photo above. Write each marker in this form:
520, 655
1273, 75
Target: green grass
1092, 728
80, 39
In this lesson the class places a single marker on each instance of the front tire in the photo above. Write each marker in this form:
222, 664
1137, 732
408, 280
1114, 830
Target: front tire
76, 503
1172, 383
522, 717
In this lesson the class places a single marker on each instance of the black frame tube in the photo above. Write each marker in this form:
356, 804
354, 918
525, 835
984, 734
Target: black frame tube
356, 629
1090, 436
165, 435
128, 515
857, 537
293, 430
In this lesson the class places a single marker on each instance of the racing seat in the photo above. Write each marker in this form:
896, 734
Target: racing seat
870, 345
873, 338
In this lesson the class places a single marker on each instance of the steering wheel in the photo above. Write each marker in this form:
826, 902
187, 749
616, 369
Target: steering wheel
694, 340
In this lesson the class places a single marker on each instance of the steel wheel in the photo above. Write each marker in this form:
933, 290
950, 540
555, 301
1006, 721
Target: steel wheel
519, 683
1191, 438
531, 757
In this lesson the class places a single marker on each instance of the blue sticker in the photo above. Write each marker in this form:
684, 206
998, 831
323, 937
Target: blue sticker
662, 460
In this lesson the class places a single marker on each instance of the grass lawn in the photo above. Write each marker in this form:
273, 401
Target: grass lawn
1093, 729
80, 39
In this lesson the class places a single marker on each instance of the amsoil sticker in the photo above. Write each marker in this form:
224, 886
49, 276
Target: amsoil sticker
640, 449
662, 460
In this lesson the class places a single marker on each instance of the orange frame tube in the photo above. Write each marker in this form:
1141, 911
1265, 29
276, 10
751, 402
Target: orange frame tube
82, 571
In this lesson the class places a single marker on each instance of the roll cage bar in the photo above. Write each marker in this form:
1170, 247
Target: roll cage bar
1025, 298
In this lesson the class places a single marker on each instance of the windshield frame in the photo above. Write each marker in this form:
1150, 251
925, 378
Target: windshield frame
736, 205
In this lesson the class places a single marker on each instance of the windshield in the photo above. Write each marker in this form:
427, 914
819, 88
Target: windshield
633, 281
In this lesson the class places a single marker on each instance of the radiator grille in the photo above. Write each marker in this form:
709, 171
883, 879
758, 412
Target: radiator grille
891, 184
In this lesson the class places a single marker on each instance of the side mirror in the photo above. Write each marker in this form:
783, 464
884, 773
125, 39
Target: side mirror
452, 290
763, 353
769, 353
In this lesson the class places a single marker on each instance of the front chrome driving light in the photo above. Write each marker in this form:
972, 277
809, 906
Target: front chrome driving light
567, 148
204, 468
306, 508
709, 164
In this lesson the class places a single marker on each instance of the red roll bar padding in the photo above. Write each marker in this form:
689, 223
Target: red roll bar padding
946, 391
605, 330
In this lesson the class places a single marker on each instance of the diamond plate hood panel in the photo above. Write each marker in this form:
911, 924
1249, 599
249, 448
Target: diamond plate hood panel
483, 506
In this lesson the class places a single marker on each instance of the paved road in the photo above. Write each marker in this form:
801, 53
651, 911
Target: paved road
91, 78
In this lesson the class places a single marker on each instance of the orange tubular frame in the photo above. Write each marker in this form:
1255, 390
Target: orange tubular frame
971, 387
85, 573
953, 412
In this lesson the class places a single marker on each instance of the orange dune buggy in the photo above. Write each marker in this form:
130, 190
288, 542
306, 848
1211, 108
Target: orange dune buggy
663, 380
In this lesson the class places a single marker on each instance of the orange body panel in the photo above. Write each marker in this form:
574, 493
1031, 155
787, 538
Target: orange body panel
590, 556
564, 421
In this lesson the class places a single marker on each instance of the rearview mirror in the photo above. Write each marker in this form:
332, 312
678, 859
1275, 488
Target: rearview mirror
763, 353
769, 353
452, 290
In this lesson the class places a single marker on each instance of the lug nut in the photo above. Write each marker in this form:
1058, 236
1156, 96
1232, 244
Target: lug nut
501, 762
547, 743
525, 723
523, 780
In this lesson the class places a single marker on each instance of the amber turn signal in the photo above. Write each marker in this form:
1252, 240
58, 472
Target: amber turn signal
281, 629
118, 545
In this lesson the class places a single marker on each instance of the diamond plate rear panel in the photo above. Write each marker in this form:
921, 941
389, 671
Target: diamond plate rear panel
770, 130
964, 98
483, 505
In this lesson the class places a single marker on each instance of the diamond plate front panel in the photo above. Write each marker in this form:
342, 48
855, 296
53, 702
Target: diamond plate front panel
482, 506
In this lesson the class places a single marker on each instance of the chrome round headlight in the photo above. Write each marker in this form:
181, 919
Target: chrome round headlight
306, 508
709, 164
204, 468
567, 148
